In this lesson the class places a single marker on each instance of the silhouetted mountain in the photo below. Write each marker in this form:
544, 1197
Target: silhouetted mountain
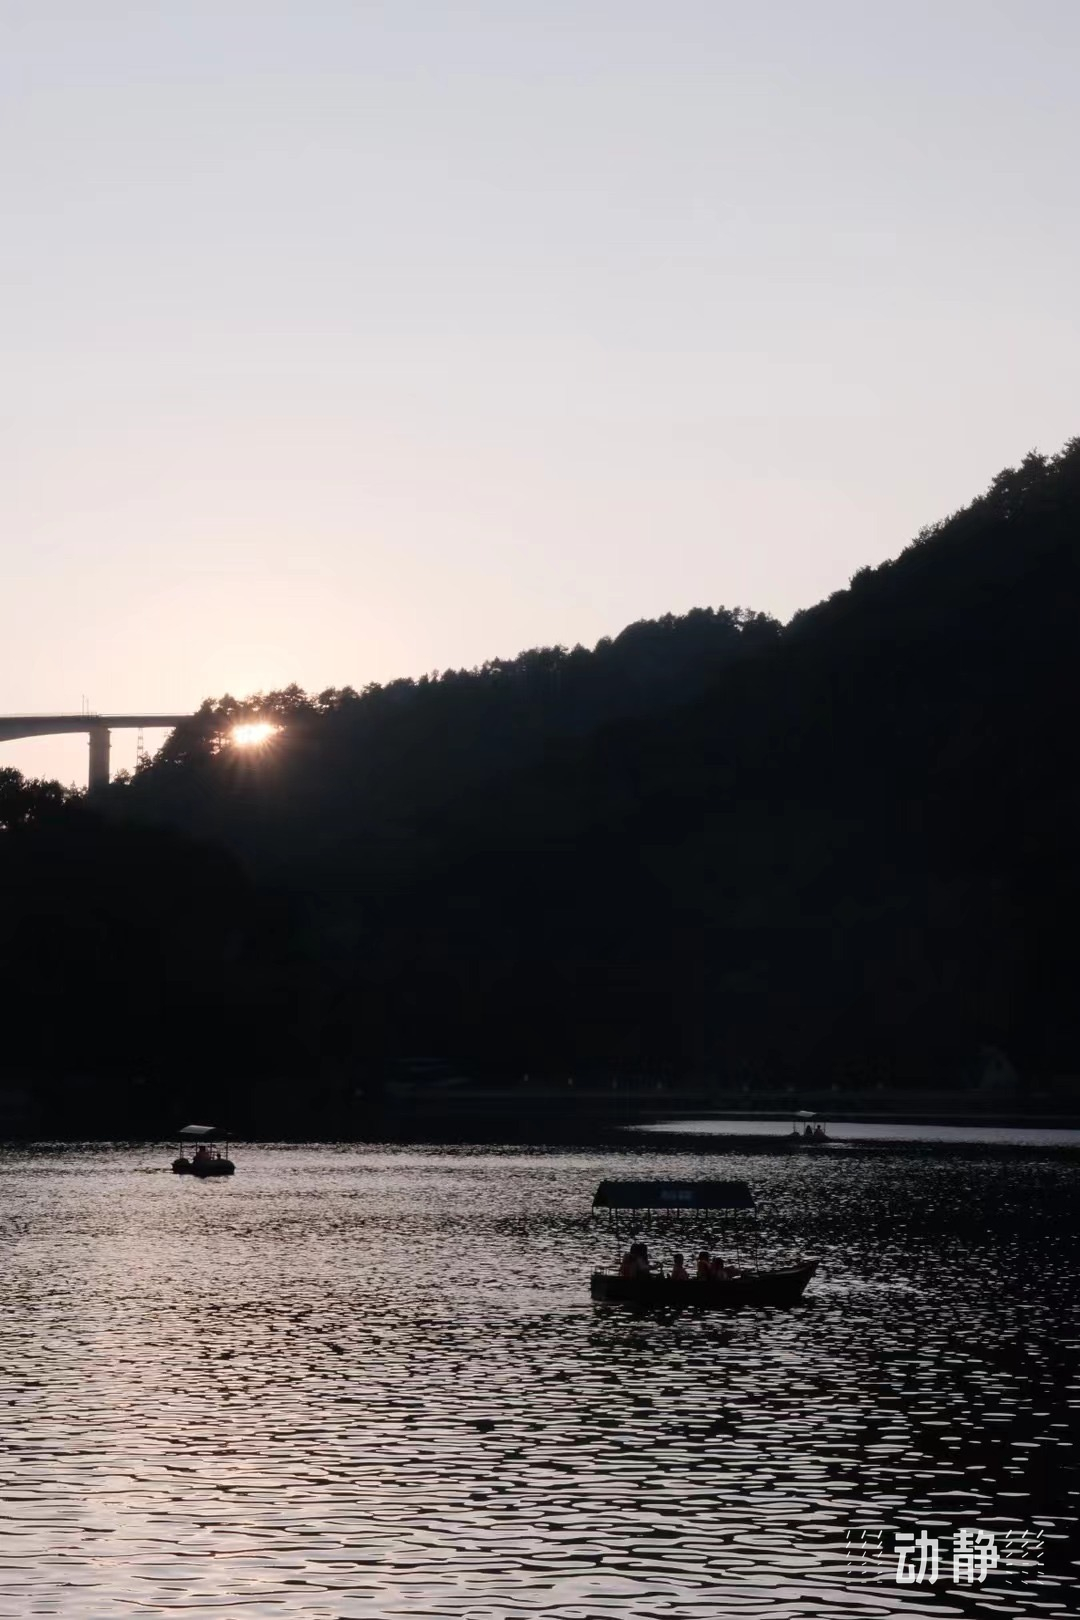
841, 851
367, 777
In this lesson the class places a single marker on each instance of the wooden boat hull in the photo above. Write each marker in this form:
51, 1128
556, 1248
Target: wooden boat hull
214, 1167
783, 1287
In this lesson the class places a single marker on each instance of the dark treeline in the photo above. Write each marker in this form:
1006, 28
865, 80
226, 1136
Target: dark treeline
711, 848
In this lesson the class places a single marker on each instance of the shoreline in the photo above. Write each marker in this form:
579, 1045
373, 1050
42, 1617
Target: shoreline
449, 1115
657, 1134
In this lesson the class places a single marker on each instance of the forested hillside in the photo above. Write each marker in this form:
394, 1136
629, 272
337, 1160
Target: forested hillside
845, 849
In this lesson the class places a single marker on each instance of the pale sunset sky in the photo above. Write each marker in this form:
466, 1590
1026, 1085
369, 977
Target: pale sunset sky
349, 339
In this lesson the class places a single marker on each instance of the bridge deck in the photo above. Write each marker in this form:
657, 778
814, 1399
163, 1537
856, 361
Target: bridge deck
16, 726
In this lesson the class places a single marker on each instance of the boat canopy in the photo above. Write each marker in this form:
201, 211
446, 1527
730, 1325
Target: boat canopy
199, 1130
673, 1195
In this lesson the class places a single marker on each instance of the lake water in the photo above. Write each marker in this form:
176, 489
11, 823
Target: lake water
370, 1382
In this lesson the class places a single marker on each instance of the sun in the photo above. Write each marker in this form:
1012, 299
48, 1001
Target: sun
253, 734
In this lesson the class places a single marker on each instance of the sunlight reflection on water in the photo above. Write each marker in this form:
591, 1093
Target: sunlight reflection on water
369, 1382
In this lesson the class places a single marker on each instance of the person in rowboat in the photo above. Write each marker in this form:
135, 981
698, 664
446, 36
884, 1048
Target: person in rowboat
635, 1262
704, 1266
679, 1272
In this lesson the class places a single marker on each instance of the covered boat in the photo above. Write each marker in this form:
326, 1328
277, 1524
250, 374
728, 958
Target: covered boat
810, 1132
738, 1284
207, 1159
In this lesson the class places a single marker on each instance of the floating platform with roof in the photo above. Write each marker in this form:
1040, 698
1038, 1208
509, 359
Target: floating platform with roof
639, 1195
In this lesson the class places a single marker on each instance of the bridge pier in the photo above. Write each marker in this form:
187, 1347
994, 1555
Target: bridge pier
97, 728
99, 757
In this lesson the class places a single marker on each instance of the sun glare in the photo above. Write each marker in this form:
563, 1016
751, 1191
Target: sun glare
253, 734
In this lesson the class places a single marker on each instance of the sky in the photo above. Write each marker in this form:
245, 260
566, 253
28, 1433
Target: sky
350, 339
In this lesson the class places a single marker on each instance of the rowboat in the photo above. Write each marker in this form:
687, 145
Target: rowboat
686, 1202
785, 1286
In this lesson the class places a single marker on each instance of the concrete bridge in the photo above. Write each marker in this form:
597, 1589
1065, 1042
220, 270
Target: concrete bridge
96, 726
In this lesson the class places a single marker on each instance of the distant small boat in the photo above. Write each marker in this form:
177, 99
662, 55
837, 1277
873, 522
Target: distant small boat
741, 1285
206, 1160
812, 1135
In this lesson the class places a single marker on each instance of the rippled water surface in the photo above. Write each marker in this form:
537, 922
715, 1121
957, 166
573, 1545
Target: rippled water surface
370, 1382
